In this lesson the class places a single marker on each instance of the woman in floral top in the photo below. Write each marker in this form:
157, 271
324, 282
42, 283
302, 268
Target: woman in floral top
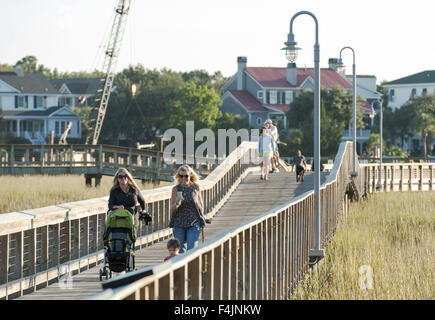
187, 209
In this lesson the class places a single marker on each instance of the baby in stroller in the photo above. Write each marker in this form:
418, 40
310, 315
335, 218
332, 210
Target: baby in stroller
119, 238
126, 208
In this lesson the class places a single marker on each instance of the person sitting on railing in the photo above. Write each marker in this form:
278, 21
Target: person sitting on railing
187, 217
125, 194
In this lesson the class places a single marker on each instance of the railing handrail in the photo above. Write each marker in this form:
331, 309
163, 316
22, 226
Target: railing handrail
162, 270
23, 220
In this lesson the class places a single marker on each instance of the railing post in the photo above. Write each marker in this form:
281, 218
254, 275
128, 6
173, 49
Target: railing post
234, 267
12, 159
431, 186
420, 175
4, 258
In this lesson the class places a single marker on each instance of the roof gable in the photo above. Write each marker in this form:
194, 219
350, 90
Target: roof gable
63, 111
272, 77
421, 77
247, 100
82, 86
6, 88
30, 82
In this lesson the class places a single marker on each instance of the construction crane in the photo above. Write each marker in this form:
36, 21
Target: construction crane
62, 139
98, 112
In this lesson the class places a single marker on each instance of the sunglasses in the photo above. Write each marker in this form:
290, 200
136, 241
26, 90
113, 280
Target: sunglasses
122, 176
184, 176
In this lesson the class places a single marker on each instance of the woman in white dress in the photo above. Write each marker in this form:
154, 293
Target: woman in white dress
266, 148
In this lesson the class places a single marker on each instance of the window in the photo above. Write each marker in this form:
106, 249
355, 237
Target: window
424, 92
78, 126
62, 127
288, 97
19, 102
260, 95
38, 102
56, 129
45, 102
26, 102
413, 92
0, 102
259, 121
273, 97
392, 95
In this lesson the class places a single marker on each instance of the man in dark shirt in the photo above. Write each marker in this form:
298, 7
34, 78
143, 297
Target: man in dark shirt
301, 165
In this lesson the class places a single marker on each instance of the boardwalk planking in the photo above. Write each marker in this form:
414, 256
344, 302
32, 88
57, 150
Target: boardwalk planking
252, 198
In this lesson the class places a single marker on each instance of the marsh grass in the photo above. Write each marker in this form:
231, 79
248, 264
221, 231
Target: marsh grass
27, 192
394, 234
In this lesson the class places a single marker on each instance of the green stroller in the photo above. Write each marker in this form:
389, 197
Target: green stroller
119, 238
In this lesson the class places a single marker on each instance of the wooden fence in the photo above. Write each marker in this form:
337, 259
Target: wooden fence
39, 246
92, 160
266, 257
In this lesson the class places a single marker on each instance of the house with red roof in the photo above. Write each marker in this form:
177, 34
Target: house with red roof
261, 93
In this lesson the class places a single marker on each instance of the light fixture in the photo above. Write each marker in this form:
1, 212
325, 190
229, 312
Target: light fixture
291, 51
133, 90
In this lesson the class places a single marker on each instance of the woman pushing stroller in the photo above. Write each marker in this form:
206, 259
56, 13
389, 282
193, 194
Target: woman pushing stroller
121, 224
125, 194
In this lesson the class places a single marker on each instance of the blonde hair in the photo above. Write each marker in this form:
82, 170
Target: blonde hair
194, 179
130, 180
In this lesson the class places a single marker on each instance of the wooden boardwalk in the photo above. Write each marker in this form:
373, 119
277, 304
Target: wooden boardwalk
252, 198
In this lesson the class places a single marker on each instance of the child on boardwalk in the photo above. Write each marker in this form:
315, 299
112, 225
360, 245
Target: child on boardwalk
173, 248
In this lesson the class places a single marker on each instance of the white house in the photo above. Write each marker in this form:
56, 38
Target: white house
77, 91
401, 90
30, 108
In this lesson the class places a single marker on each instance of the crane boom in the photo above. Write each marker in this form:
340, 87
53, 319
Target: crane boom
111, 57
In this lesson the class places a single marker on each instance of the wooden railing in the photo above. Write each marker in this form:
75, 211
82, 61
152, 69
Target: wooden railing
264, 258
95, 160
39, 246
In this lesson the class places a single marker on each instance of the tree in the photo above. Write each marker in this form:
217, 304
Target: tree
423, 121
146, 115
4, 67
28, 63
373, 144
197, 103
336, 113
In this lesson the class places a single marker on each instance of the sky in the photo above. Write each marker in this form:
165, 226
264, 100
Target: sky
391, 39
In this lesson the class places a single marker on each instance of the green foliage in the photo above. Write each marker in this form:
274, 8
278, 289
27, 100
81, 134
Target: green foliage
196, 103
373, 144
231, 121
203, 78
396, 152
416, 116
85, 113
142, 117
9, 138
336, 113
4, 67
295, 141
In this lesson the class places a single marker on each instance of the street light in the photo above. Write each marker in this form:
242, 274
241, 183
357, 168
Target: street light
379, 185
354, 173
291, 53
